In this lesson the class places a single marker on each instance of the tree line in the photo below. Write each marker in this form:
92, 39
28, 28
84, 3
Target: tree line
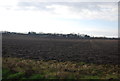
57, 35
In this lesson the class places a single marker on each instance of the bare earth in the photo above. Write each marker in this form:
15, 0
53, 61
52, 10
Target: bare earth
100, 51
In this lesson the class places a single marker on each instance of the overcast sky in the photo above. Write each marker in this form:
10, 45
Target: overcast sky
78, 16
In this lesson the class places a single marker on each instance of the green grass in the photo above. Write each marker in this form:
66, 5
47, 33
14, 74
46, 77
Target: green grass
5, 73
91, 77
18, 75
37, 76
18, 68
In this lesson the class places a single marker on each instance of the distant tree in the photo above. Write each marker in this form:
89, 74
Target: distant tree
87, 36
31, 32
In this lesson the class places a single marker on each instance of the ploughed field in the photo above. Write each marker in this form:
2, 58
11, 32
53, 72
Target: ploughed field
99, 51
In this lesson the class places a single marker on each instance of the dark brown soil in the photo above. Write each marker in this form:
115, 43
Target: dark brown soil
100, 51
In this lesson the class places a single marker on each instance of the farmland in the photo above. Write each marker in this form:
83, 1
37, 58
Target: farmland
86, 50
90, 51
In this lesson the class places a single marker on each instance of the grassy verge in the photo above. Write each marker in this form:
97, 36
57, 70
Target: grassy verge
18, 68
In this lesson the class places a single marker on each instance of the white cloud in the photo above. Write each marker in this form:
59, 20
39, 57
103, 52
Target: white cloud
73, 0
43, 17
7, 4
88, 10
105, 11
32, 21
59, 9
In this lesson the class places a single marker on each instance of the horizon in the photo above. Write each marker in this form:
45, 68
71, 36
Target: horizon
55, 33
99, 19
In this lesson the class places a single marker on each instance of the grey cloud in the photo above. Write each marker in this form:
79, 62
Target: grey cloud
76, 6
97, 10
36, 5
